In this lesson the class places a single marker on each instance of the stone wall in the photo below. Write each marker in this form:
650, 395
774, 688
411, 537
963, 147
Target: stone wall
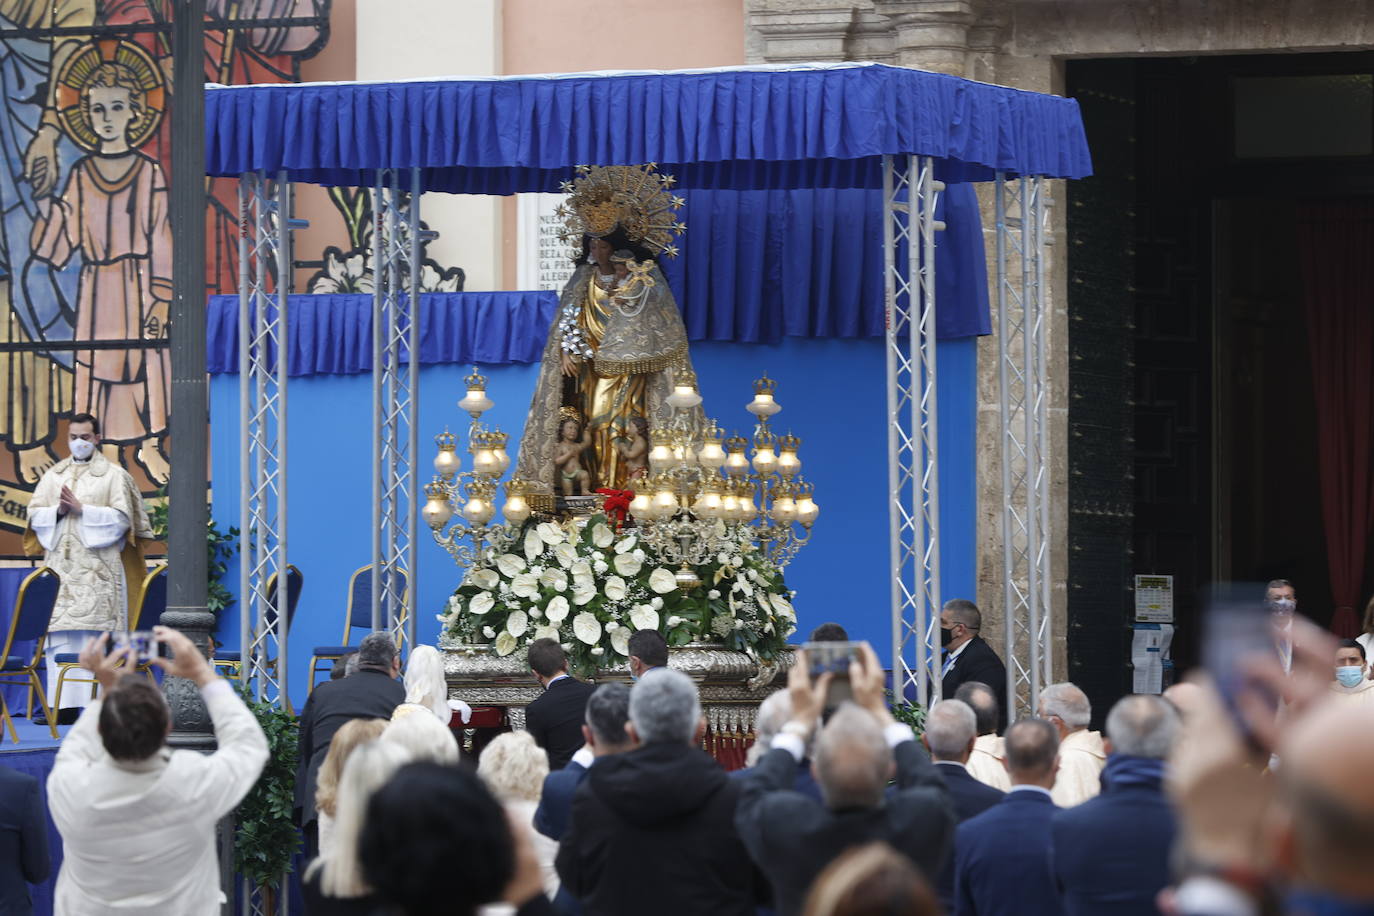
1023, 43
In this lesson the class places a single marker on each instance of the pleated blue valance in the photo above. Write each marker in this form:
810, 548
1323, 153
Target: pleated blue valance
332, 334
749, 128
756, 266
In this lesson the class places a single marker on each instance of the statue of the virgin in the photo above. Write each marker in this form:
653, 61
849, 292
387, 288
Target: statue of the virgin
617, 343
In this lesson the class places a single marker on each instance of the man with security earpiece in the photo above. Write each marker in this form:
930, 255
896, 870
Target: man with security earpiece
87, 520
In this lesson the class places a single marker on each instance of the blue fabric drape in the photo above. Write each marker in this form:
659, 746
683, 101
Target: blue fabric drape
758, 266
727, 129
332, 334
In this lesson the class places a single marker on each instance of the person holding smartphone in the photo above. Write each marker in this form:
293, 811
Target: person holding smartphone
138, 820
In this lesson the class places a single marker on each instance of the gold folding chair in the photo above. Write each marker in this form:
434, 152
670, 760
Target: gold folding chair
29, 622
230, 661
152, 591
358, 615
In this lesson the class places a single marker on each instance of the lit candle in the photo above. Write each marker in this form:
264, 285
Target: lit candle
436, 512
784, 510
446, 463
476, 402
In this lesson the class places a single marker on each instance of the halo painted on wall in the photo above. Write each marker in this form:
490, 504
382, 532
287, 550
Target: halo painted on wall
81, 68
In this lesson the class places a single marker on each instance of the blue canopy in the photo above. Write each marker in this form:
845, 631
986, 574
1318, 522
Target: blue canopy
736, 128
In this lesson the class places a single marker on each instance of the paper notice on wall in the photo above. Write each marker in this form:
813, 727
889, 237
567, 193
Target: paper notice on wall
1149, 648
1154, 599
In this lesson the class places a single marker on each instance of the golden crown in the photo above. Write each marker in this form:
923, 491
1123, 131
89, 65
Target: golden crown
631, 198
569, 413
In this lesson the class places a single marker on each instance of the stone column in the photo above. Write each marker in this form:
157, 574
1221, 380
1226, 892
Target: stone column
930, 34
797, 31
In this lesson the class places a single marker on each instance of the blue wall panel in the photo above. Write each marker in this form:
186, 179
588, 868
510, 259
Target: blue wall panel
833, 395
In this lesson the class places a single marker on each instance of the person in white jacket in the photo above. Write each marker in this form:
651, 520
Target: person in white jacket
1082, 753
138, 819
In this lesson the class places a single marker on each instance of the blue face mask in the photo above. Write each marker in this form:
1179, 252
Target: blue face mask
1350, 675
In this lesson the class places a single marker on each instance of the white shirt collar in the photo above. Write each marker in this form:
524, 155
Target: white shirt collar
555, 680
955, 654
950, 763
1041, 789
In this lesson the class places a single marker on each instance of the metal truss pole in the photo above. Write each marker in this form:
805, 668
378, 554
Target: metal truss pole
395, 398
264, 284
1023, 410
265, 226
910, 191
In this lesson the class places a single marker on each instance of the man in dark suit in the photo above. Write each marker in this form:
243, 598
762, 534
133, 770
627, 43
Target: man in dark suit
648, 650
23, 841
555, 718
951, 729
792, 837
1002, 856
653, 828
1101, 865
966, 657
608, 710
372, 692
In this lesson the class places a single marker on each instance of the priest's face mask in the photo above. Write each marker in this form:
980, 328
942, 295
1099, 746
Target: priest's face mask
82, 440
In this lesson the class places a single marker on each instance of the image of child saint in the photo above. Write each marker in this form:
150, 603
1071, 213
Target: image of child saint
634, 449
113, 210
571, 475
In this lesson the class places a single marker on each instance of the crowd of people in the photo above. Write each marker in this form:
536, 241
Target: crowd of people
1240, 798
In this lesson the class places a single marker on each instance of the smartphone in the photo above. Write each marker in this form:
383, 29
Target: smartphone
145, 646
833, 658
1237, 627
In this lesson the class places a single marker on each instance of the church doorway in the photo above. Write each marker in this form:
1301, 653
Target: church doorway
1196, 447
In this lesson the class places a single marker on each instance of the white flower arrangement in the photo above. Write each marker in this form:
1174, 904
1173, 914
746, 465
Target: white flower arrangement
570, 583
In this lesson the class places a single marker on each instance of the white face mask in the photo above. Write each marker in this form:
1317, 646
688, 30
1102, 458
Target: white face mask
81, 449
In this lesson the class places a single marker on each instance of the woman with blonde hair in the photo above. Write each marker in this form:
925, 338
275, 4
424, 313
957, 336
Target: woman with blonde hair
349, 736
872, 880
513, 768
333, 884
422, 736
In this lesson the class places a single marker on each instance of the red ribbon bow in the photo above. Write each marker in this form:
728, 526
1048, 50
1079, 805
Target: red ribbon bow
617, 505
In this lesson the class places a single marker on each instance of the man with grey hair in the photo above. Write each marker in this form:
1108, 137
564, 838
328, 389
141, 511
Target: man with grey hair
951, 730
1100, 865
965, 655
372, 692
653, 827
773, 714
1081, 752
793, 838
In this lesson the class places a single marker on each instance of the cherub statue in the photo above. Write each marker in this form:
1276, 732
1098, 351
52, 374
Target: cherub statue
569, 472
633, 446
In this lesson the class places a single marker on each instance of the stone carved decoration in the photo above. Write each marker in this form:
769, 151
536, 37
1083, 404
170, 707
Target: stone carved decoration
191, 726
731, 684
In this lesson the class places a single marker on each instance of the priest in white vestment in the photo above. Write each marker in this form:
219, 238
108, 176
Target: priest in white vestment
987, 763
1082, 754
87, 518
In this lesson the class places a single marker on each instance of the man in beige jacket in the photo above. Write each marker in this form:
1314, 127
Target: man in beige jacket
987, 761
137, 819
1081, 753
